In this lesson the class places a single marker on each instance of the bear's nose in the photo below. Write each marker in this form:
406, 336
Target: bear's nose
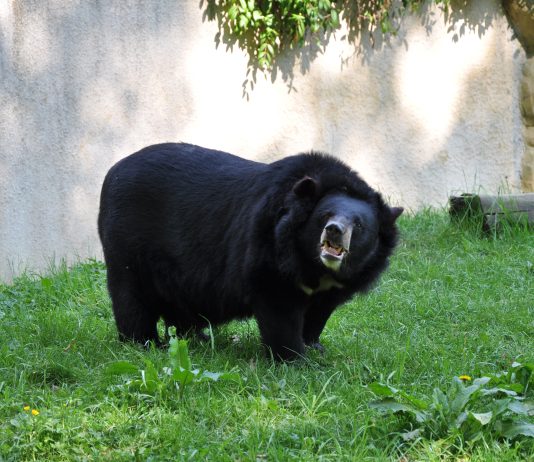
335, 229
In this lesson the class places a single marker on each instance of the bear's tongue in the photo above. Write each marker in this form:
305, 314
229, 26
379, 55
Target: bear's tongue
332, 249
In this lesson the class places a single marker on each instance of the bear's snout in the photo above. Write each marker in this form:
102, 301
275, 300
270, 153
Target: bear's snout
335, 242
335, 229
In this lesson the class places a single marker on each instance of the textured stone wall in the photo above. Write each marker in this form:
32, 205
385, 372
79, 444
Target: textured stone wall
82, 84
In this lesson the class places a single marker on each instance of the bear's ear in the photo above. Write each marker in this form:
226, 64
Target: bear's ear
305, 187
396, 212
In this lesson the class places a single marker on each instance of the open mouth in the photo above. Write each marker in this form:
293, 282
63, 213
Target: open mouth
332, 251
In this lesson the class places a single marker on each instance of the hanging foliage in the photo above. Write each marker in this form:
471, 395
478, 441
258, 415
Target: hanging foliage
265, 28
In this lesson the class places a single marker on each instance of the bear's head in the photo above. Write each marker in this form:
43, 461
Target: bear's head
346, 234
331, 222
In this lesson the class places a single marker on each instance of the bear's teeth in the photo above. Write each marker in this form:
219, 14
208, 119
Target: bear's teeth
332, 249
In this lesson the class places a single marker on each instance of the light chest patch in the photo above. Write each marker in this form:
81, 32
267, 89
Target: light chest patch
326, 282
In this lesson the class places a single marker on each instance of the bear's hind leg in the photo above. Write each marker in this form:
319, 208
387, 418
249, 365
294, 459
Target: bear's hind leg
136, 316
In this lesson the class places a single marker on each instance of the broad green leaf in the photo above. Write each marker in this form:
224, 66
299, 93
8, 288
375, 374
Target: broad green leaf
419, 403
184, 377
522, 407
460, 419
496, 391
206, 375
173, 349
380, 389
216, 376
121, 367
525, 375
440, 400
499, 406
183, 354
517, 387
480, 382
483, 418
150, 372
390, 405
150, 377
513, 429
179, 354
463, 393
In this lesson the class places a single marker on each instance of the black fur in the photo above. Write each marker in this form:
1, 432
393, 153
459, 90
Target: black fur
193, 235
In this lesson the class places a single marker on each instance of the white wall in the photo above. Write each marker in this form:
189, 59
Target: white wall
84, 83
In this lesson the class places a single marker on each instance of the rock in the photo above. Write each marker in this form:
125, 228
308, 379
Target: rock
527, 170
529, 136
521, 16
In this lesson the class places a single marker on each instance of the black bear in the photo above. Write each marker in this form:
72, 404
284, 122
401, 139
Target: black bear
197, 236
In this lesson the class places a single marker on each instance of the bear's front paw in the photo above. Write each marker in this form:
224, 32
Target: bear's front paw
284, 353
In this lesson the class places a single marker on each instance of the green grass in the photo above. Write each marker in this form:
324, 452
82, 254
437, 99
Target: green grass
451, 303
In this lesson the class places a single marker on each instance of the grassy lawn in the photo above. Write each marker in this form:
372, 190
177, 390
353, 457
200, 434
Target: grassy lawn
451, 303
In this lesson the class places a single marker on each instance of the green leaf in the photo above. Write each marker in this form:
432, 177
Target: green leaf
513, 429
522, 407
230, 376
525, 375
463, 393
183, 377
206, 375
216, 376
179, 354
150, 372
496, 391
500, 406
440, 400
183, 355
419, 403
460, 419
380, 389
481, 381
149, 377
233, 12
243, 21
483, 419
335, 17
121, 367
390, 405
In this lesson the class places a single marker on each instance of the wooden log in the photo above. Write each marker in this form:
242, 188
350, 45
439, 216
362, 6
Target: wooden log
507, 203
494, 220
493, 211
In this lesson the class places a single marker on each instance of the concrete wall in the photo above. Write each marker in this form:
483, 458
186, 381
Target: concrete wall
84, 83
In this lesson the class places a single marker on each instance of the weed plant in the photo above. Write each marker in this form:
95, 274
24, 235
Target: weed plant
454, 302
